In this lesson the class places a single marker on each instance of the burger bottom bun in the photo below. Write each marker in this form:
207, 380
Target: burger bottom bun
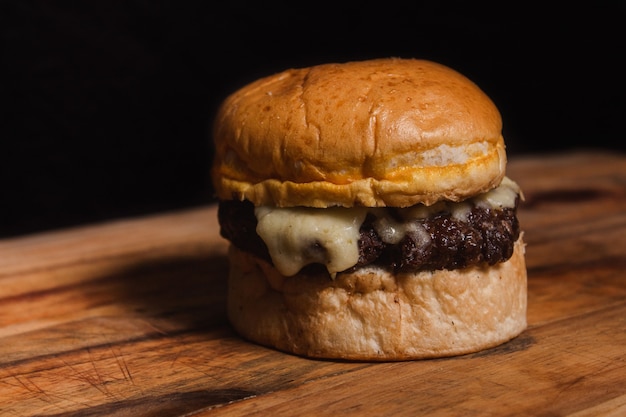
375, 315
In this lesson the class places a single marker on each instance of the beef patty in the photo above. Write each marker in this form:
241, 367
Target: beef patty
485, 236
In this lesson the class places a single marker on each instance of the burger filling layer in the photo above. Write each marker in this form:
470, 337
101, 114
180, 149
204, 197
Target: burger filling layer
446, 235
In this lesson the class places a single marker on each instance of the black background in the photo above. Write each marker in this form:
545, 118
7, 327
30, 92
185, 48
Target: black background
107, 105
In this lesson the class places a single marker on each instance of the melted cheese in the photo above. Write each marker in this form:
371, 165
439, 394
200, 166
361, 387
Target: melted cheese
300, 236
500, 197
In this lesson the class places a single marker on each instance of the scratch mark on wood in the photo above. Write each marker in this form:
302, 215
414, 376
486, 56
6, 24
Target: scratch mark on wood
122, 365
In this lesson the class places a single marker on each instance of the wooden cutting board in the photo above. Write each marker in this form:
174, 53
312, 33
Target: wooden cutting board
127, 318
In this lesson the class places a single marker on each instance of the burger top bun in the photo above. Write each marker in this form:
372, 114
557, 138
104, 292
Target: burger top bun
385, 132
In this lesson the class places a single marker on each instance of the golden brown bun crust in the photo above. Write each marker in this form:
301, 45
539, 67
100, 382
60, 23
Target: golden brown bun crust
385, 132
373, 315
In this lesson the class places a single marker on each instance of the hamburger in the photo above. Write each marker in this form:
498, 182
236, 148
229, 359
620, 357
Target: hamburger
368, 213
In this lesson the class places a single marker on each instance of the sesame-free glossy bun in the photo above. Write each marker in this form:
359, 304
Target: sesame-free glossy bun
384, 132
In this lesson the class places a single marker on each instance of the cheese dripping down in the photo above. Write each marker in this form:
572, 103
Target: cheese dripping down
299, 236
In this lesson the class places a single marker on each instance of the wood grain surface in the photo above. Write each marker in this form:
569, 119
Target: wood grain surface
127, 318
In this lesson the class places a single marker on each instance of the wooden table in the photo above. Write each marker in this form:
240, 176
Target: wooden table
127, 318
